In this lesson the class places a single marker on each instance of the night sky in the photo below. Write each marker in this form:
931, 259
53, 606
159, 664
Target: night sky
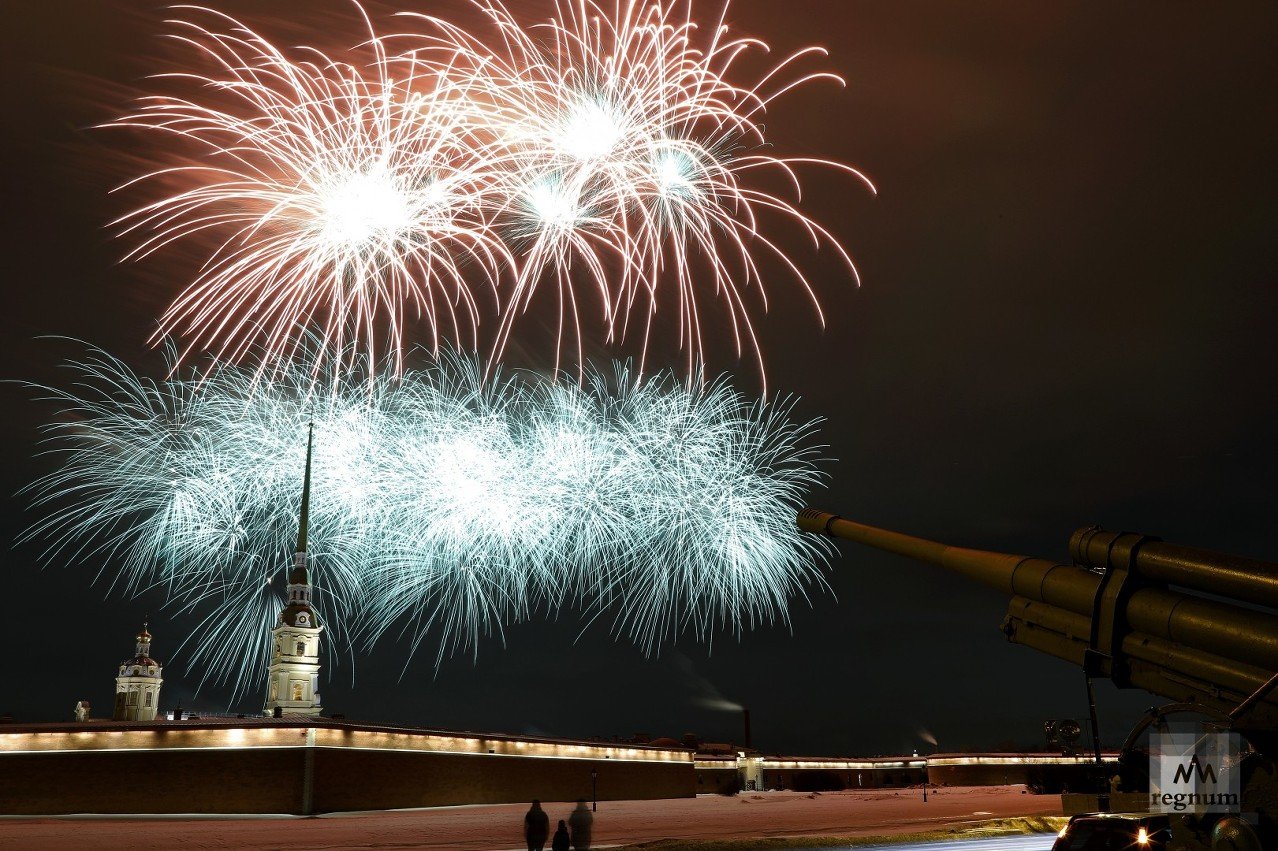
1067, 318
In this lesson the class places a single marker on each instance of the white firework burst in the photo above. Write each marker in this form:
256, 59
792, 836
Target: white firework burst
345, 199
608, 152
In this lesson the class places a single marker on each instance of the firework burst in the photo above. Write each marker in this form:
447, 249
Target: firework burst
626, 148
346, 199
444, 506
605, 152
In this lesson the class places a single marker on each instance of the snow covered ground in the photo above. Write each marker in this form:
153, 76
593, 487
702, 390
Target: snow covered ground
1036, 842
499, 827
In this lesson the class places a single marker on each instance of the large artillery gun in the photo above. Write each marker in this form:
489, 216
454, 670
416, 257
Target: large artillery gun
1195, 627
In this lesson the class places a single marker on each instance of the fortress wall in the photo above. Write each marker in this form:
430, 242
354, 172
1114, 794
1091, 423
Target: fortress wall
294, 767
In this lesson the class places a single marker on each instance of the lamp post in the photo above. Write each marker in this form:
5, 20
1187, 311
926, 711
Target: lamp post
594, 790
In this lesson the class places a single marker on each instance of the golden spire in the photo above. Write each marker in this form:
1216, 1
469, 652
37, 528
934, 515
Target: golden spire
306, 494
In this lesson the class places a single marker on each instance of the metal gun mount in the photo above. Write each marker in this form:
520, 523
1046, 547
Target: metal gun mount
1196, 627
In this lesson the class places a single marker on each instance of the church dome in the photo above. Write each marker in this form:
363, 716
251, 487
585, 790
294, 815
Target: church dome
297, 576
665, 743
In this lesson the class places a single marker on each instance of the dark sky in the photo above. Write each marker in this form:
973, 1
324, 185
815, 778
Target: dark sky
1067, 318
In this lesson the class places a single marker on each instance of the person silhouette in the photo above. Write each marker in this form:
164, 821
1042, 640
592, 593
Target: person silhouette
579, 822
561, 842
536, 827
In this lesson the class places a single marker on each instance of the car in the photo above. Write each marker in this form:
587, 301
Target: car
1115, 832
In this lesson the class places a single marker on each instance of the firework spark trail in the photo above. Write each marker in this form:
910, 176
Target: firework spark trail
605, 151
445, 505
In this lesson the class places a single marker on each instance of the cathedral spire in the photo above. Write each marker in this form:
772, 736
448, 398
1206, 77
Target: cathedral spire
299, 580
306, 494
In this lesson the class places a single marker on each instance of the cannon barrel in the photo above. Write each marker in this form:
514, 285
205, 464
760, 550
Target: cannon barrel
1131, 608
1200, 570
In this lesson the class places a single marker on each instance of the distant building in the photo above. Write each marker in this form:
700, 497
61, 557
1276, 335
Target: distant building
293, 676
137, 687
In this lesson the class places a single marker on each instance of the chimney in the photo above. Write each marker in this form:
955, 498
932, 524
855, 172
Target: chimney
745, 713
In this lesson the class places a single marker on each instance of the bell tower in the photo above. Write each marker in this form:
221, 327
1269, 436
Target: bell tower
137, 686
293, 681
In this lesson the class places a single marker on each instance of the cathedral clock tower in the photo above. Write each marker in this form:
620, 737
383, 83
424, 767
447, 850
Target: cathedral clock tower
293, 683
